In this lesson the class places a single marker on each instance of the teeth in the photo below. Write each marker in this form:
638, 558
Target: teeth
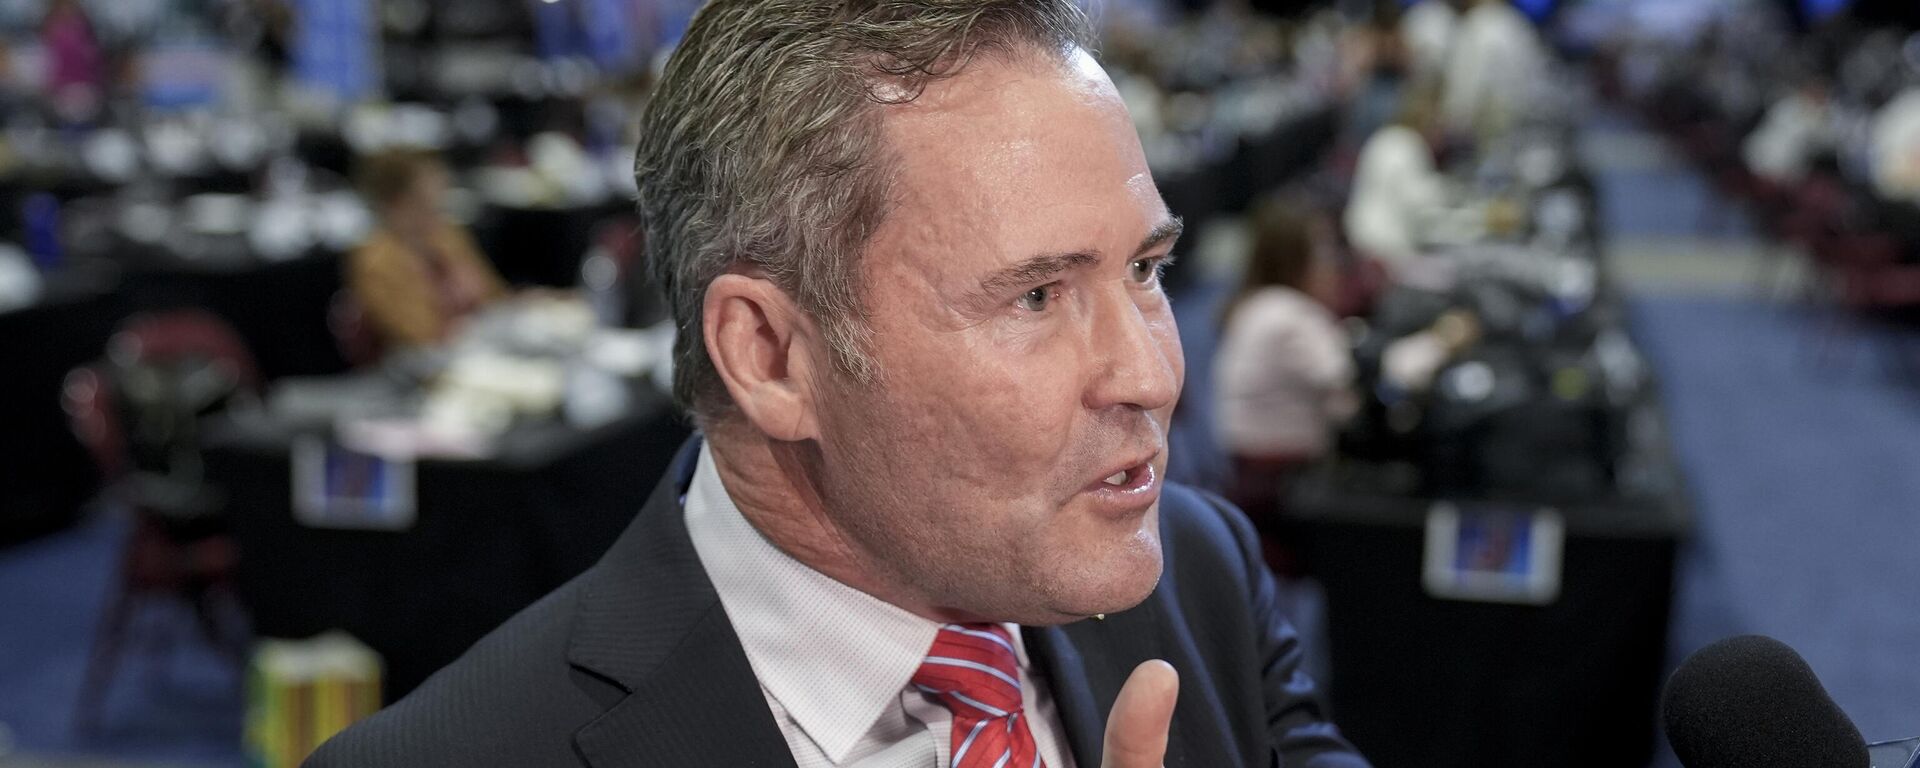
1118, 478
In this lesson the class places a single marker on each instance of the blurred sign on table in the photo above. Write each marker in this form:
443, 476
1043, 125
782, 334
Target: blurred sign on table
302, 692
337, 487
1449, 683
1498, 555
524, 448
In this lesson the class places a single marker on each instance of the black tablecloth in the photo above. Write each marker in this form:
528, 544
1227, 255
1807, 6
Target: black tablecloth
542, 246
1429, 683
491, 536
45, 476
279, 308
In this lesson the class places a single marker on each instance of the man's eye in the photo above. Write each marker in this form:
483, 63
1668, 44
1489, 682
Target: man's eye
1147, 270
1036, 299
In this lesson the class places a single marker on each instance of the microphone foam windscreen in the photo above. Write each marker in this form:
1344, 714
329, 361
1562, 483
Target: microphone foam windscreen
1751, 702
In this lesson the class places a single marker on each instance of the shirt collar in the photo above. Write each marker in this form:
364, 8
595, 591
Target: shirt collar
833, 656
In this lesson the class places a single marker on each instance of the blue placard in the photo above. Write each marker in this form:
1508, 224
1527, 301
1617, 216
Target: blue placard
1493, 553
334, 487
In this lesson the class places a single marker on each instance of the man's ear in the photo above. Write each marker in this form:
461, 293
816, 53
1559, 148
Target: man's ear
761, 343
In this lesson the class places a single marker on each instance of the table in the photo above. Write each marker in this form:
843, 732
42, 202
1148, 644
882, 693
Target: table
1422, 681
491, 535
279, 308
543, 245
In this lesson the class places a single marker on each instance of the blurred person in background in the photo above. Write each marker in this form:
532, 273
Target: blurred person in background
1893, 158
419, 275
1284, 372
264, 29
1798, 129
1427, 27
1895, 152
1398, 191
76, 69
1377, 63
1492, 65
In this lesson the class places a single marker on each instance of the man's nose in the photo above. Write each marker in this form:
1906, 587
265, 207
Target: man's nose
1135, 356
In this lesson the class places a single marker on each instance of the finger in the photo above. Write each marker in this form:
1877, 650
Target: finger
1137, 728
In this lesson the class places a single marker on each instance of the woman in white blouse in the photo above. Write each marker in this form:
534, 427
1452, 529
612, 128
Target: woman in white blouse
1284, 368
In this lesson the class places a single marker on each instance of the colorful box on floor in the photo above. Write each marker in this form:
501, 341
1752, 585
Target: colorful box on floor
302, 692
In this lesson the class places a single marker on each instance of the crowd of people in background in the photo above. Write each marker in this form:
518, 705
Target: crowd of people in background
1819, 132
1421, 84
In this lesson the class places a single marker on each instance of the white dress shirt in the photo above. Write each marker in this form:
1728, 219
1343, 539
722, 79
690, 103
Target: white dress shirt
834, 662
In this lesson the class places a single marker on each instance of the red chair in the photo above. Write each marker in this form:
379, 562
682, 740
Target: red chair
185, 334
178, 549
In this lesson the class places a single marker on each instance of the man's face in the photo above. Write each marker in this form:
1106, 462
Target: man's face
1026, 353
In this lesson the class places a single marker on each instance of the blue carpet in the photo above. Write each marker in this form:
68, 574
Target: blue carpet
1805, 476
186, 711
1807, 488
1645, 189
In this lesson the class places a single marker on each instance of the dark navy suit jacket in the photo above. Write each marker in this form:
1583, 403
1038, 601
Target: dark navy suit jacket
634, 663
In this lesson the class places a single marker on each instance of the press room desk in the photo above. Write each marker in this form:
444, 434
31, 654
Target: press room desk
1431, 683
279, 308
491, 536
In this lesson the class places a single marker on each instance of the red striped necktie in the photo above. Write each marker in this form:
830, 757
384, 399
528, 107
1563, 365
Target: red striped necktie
972, 671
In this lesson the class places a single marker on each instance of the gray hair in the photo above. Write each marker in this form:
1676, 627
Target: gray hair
761, 148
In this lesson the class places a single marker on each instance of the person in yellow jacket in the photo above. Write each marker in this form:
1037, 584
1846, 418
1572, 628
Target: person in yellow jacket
419, 275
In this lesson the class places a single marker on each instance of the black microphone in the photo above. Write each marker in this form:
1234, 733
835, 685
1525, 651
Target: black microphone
1751, 702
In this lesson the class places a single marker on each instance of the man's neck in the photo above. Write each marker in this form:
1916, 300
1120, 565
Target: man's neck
775, 491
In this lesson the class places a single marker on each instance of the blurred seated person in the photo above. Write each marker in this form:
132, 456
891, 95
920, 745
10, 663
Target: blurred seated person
76, 69
419, 275
1398, 193
1796, 130
1284, 370
1427, 26
1895, 153
1492, 67
1376, 72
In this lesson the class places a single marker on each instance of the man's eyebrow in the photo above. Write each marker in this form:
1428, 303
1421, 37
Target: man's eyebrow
1034, 270
1166, 231
1040, 268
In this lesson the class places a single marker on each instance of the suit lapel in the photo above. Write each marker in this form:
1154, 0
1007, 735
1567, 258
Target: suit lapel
1086, 663
703, 708
651, 624
1082, 712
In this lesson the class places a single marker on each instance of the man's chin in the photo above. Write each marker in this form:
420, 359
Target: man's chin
1129, 587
